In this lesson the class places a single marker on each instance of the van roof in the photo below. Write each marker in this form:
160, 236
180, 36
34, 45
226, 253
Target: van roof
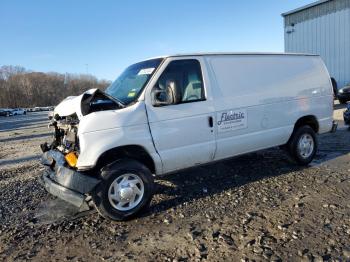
231, 53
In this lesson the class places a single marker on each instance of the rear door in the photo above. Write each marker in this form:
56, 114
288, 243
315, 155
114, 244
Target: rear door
183, 133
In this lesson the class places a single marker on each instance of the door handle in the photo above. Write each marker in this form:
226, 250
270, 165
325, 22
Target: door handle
211, 122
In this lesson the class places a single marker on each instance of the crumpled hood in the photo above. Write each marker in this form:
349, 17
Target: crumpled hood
72, 104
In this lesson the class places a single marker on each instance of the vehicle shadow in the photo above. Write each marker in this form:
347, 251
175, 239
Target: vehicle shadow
12, 125
209, 180
26, 127
26, 137
4, 162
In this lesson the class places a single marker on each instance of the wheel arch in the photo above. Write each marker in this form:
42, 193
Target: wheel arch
309, 120
135, 152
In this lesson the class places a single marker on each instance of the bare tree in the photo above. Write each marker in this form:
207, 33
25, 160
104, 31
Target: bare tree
23, 88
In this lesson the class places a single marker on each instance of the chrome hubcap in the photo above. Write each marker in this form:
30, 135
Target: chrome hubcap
126, 192
306, 145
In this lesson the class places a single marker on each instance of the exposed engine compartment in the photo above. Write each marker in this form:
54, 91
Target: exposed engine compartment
65, 137
65, 119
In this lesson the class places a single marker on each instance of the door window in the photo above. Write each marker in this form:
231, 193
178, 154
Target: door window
184, 78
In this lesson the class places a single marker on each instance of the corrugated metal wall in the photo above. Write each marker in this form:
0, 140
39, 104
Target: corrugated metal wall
326, 34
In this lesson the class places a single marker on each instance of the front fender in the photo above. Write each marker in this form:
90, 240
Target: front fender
94, 144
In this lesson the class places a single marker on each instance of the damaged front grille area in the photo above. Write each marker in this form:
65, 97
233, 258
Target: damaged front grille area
65, 134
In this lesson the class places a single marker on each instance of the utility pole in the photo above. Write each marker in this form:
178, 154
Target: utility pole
65, 79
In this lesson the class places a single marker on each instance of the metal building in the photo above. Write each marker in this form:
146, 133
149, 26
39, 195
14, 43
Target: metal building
322, 28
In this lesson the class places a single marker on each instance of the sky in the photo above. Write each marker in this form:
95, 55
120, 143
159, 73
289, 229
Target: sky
103, 37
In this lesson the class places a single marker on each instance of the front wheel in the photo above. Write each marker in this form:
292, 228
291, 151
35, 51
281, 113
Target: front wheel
126, 190
303, 144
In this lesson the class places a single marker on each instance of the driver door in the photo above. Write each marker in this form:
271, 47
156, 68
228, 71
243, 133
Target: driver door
182, 131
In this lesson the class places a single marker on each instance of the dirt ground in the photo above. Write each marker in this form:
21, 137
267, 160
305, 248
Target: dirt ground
257, 207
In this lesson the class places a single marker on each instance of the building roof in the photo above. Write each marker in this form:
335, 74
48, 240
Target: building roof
305, 7
314, 10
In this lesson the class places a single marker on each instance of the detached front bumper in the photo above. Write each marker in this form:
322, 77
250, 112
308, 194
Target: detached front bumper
64, 182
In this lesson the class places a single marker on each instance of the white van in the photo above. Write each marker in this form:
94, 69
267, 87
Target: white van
174, 112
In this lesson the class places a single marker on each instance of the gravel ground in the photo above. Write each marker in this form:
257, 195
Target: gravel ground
258, 207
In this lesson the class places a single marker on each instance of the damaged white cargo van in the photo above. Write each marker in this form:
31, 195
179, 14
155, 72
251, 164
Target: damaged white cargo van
170, 113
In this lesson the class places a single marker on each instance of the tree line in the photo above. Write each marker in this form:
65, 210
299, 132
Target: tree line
24, 88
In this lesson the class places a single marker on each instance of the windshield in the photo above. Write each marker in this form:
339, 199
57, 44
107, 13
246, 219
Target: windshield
131, 82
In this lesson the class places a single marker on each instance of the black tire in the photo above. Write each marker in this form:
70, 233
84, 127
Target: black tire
109, 174
335, 87
293, 142
342, 101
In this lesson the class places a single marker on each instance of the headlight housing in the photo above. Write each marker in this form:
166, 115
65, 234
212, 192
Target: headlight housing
71, 159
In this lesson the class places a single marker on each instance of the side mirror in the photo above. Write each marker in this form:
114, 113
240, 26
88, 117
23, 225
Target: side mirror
161, 97
167, 96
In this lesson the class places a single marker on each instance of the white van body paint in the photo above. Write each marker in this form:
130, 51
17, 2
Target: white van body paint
259, 98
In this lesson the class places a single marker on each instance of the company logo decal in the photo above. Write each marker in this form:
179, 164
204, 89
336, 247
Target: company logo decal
232, 120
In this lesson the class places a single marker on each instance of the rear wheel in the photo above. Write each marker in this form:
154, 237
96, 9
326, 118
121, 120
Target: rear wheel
126, 190
302, 146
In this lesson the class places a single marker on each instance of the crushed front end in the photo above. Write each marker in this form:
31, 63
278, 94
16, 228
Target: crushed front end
60, 157
61, 178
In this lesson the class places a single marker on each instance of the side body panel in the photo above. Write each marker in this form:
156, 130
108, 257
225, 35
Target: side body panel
272, 92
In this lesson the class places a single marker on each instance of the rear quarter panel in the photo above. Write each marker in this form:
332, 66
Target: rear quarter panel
274, 91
